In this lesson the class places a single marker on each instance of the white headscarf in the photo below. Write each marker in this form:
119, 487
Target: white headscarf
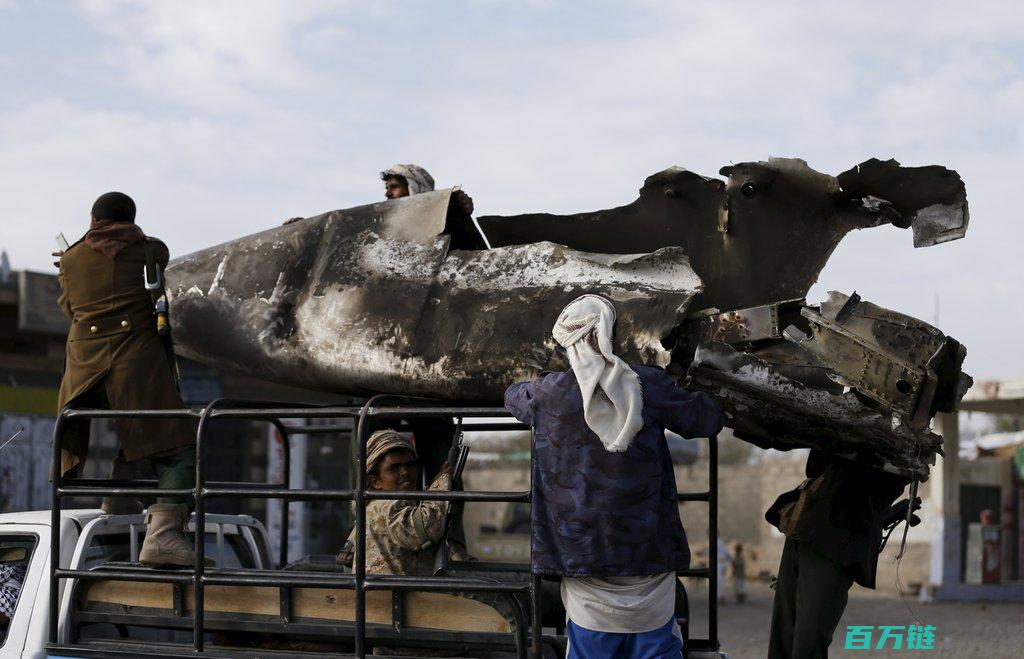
612, 396
419, 179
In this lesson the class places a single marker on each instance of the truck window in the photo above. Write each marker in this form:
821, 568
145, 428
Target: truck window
115, 548
15, 556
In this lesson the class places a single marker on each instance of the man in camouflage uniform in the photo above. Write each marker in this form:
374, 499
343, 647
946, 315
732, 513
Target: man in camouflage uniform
401, 536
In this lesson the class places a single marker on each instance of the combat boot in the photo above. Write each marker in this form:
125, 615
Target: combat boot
165, 543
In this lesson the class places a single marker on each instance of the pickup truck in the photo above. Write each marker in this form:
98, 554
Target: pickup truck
90, 539
244, 604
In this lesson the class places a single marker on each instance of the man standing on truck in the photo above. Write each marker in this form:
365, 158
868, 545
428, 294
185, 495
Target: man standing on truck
605, 509
115, 359
407, 180
401, 536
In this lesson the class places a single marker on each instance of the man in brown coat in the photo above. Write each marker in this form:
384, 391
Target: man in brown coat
115, 359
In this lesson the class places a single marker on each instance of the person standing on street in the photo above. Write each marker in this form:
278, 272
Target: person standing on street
115, 359
833, 523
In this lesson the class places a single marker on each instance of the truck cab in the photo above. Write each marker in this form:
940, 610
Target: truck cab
89, 540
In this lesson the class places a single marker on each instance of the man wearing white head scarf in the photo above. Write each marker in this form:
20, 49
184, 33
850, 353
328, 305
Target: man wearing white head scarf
409, 179
405, 180
612, 398
605, 513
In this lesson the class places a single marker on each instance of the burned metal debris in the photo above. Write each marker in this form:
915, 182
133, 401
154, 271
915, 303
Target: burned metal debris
849, 377
763, 235
771, 410
374, 299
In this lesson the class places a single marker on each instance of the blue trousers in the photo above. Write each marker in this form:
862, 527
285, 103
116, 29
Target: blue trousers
659, 643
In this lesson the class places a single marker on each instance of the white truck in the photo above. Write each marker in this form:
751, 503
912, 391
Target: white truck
90, 539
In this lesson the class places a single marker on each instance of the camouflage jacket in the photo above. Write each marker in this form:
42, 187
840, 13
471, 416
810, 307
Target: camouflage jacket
402, 536
598, 513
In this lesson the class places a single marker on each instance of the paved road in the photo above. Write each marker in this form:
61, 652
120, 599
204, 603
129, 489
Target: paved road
964, 631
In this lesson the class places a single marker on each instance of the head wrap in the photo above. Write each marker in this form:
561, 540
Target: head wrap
612, 397
12, 578
114, 206
383, 441
419, 179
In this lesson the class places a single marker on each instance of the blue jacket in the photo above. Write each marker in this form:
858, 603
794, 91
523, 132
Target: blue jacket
599, 513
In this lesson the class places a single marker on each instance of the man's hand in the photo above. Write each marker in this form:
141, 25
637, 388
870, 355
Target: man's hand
446, 470
57, 254
463, 202
291, 220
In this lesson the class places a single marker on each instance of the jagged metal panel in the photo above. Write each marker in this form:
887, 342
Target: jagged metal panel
371, 300
774, 411
763, 235
932, 199
902, 363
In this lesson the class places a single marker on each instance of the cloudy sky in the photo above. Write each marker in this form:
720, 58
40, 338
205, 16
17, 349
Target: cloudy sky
223, 118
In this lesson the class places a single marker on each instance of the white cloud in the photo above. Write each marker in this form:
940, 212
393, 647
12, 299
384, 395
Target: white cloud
223, 117
215, 55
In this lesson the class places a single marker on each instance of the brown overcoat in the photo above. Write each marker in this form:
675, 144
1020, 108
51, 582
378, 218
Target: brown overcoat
114, 355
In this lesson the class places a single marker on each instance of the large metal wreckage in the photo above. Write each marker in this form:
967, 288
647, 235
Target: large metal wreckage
708, 276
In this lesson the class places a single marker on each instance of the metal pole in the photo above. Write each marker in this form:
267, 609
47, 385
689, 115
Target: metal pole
537, 621
713, 543
55, 469
537, 627
287, 464
198, 612
359, 563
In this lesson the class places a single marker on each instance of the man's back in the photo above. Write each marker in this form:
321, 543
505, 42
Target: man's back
95, 286
603, 513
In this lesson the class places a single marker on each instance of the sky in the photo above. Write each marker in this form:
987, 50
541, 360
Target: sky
223, 118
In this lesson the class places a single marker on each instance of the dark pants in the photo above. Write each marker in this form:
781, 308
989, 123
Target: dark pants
176, 470
810, 599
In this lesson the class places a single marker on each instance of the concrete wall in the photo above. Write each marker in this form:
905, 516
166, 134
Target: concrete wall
745, 492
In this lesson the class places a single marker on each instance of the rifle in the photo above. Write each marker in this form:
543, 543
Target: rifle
901, 511
153, 277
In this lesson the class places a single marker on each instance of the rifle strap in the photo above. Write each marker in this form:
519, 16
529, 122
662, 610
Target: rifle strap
152, 274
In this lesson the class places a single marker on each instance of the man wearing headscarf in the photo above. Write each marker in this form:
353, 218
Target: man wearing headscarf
409, 179
401, 536
605, 512
116, 360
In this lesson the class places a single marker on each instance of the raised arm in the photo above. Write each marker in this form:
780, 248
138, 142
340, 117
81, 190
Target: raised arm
688, 413
519, 401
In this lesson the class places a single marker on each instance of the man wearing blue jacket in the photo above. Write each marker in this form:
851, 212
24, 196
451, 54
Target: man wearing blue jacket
605, 512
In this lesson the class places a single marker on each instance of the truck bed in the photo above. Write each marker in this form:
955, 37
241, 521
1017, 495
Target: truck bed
272, 617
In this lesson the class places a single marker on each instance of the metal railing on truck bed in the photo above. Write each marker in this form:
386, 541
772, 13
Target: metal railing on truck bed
201, 577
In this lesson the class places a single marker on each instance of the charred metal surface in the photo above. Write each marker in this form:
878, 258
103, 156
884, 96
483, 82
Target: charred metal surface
371, 300
742, 326
904, 365
771, 410
763, 235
